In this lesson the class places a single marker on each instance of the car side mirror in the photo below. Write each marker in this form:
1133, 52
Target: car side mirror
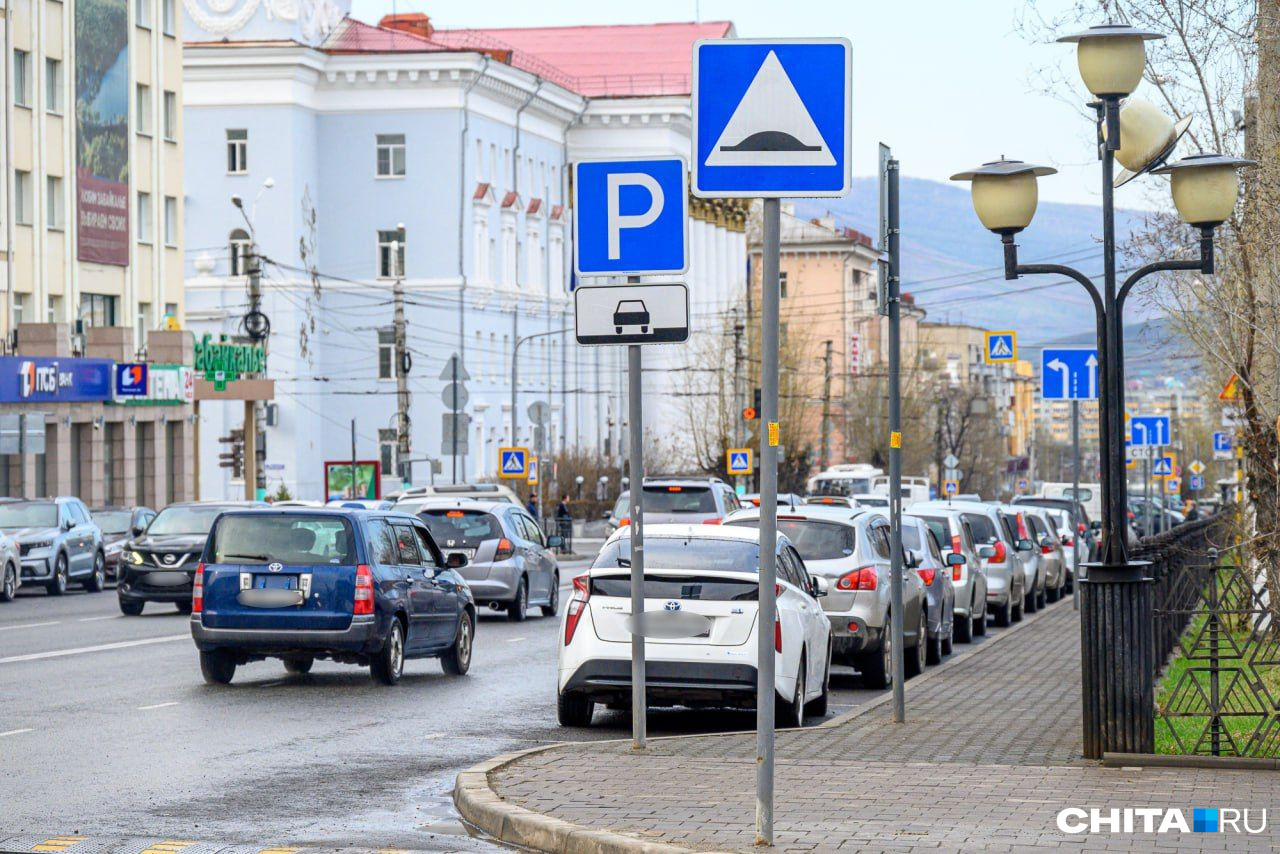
607, 514
956, 559
821, 587
137, 530
1025, 545
68, 524
554, 541
986, 552
455, 560
909, 559
1096, 525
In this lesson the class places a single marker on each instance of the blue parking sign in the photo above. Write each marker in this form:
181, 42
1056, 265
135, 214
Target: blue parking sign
630, 217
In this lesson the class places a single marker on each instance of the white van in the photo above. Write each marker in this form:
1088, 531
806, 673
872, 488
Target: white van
913, 488
1090, 496
844, 479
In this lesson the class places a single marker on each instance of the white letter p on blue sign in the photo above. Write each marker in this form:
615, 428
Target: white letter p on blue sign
618, 221
630, 217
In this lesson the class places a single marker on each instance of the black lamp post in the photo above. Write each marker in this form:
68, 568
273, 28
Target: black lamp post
1118, 663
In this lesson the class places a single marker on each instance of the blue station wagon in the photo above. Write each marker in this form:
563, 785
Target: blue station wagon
354, 586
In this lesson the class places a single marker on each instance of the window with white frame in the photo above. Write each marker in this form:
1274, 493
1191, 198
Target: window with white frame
53, 85
387, 447
386, 354
239, 252
140, 332
22, 199
53, 206
20, 302
142, 13
170, 221
390, 155
237, 151
391, 254
144, 217
170, 19
782, 285
53, 310
170, 116
21, 78
142, 109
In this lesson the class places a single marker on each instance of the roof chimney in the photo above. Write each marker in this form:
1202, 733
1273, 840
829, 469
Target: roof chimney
414, 23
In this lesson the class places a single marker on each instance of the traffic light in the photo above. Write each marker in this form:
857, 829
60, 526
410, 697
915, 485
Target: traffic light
234, 457
752, 412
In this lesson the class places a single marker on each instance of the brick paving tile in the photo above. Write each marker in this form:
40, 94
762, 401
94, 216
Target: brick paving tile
990, 754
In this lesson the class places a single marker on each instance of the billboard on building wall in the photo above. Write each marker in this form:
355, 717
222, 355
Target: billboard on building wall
102, 131
337, 479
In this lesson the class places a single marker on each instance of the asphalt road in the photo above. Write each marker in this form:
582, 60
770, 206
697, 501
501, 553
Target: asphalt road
106, 727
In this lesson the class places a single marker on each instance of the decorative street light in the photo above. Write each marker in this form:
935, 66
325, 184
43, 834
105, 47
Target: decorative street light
1118, 656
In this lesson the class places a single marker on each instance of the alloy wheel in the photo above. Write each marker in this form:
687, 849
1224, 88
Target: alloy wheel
397, 651
464, 642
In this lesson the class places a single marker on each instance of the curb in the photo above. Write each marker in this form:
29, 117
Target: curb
483, 808
1167, 760
74, 843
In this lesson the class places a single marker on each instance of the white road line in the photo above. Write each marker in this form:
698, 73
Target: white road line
29, 625
426, 737
81, 650
157, 706
15, 732
96, 619
515, 640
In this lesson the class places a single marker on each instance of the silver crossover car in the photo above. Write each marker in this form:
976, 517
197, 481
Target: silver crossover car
511, 563
1043, 529
922, 554
968, 577
850, 548
1014, 522
997, 549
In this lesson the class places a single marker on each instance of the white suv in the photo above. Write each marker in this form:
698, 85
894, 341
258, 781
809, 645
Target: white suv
700, 627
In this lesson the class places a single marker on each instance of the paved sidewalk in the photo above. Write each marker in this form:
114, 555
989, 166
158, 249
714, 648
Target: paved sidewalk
989, 755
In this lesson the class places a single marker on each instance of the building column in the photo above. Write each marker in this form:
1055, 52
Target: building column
157, 469
58, 457
129, 461
92, 461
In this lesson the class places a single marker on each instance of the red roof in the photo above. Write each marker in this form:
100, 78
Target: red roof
352, 36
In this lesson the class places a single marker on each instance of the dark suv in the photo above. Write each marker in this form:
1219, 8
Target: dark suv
58, 543
160, 564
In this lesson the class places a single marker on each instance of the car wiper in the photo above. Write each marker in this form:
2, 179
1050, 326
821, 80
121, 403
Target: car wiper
249, 557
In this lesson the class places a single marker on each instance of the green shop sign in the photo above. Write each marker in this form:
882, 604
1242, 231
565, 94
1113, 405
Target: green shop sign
227, 358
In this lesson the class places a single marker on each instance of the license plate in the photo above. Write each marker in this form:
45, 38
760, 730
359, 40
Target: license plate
469, 554
275, 582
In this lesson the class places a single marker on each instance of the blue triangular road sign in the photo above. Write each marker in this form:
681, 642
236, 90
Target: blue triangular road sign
1164, 465
1001, 348
513, 462
739, 462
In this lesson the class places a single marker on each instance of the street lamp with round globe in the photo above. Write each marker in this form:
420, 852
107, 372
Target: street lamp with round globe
1111, 58
1205, 187
1005, 193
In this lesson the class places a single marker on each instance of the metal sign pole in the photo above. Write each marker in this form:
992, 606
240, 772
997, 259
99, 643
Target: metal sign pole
639, 701
895, 449
1149, 517
1075, 496
769, 438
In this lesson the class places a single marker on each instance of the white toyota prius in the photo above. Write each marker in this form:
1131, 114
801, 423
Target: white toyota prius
700, 624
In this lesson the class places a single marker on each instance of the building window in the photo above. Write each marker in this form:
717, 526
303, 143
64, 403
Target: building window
22, 197
390, 254
54, 310
237, 152
170, 116
142, 117
387, 446
239, 252
144, 217
386, 354
782, 285
53, 202
21, 78
170, 221
170, 22
140, 333
20, 308
390, 155
53, 85
98, 309
142, 13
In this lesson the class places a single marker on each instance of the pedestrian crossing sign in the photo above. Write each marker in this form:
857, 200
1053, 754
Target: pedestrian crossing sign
513, 463
533, 471
950, 488
1173, 486
1002, 346
738, 461
1162, 467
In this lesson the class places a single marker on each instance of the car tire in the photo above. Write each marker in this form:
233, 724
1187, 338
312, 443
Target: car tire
298, 666
791, 715
980, 622
1029, 602
1042, 599
962, 630
818, 708
550, 609
877, 667
1004, 614
183, 607
574, 710
914, 665
388, 665
519, 607
1053, 594
97, 580
218, 666
58, 584
1015, 612
947, 645
456, 660
9, 587
132, 607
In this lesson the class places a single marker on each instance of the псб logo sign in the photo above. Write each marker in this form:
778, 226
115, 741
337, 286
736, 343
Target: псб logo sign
1158, 820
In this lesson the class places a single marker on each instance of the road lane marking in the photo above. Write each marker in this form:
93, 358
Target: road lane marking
81, 650
30, 625
15, 732
279, 851
58, 843
515, 640
432, 735
169, 846
95, 619
157, 706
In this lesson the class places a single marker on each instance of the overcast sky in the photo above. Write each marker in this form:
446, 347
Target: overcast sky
948, 84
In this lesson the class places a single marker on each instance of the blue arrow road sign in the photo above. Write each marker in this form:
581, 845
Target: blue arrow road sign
631, 217
1221, 442
1069, 374
772, 118
1162, 467
1150, 430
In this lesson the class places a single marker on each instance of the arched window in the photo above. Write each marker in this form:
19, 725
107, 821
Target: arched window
239, 252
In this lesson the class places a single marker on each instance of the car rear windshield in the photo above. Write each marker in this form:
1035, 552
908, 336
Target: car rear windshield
29, 514
677, 553
941, 528
462, 527
705, 588
813, 539
290, 539
984, 531
113, 521
192, 520
679, 499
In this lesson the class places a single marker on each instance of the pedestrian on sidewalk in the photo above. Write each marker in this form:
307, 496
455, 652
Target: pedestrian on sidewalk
564, 523
532, 506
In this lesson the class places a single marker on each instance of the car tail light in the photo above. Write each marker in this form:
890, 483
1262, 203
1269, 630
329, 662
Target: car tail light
956, 545
859, 579
197, 591
454, 514
624, 522
581, 593
777, 635
957, 573
927, 575
1046, 550
364, 591
1000, 554
1080, 527
505, 549
715, 521
1068, 540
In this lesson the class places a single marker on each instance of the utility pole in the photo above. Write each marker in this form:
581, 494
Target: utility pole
354, 462
826, 405
255, 450
895, 442
1075, 496
402, 383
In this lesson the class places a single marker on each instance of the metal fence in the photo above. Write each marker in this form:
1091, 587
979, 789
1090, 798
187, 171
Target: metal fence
1219, 648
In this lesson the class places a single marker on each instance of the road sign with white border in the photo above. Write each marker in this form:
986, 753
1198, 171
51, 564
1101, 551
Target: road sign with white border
631, 217
738, 461
1197, 481
951, 487
631, 314
1196, 467
1222, 446
1069, 374
513, 463
1150, 430
772, 118
533, 471
1172, 486
1001, 346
